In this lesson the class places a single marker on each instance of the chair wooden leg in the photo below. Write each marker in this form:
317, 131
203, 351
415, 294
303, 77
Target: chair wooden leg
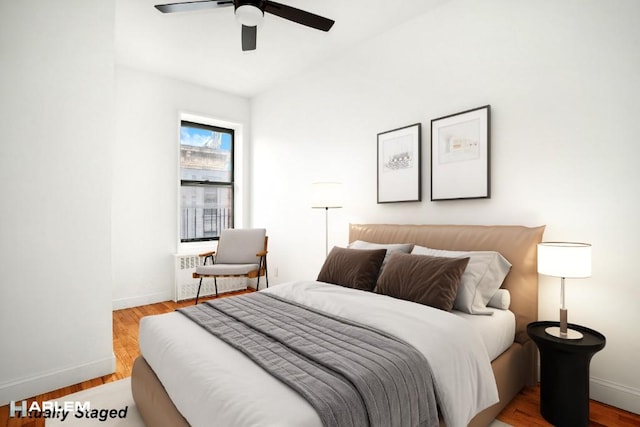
198, 294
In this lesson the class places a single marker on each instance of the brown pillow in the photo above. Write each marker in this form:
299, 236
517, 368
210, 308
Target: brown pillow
352, 268
423, 279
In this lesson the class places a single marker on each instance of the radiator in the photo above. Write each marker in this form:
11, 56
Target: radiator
186, 287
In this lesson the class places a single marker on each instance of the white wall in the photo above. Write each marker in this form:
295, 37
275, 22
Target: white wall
56, 117
562, 81
146, 179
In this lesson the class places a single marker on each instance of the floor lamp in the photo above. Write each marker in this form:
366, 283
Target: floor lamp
326, 195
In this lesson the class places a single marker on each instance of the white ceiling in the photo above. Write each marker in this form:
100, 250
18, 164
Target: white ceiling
203, 47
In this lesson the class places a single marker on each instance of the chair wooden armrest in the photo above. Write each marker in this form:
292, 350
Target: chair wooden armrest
206, 254
262, 253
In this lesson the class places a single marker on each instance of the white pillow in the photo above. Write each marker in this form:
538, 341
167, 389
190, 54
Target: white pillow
481, 279
501, 299
390, 247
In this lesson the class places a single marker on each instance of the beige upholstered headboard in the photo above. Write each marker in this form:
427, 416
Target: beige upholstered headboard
516, 243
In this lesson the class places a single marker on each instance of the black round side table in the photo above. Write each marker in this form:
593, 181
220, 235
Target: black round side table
564, 373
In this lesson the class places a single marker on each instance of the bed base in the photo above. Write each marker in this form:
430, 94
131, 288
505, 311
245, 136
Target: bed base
152, 401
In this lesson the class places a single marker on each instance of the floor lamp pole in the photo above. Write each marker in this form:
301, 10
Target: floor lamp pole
326, 195
326, 231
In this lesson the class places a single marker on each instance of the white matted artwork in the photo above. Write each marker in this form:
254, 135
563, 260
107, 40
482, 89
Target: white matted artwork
460, 155
399, 165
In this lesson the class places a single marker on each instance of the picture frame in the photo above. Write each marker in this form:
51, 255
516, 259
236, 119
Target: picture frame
400, 165
460, 155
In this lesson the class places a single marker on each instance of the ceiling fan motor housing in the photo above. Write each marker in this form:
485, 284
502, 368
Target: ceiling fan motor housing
249, 12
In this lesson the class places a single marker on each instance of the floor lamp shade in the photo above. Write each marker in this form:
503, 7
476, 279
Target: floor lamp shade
564, 260
326, 195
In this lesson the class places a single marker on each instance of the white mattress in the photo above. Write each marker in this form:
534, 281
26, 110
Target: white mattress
497, 331
210, 382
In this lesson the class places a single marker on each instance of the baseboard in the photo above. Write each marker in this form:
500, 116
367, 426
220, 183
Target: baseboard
32, 386
119, 304
614, 394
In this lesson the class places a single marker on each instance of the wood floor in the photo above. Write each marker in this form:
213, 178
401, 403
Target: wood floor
523, 411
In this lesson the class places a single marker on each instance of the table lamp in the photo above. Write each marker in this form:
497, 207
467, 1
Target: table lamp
564, 260
326, 195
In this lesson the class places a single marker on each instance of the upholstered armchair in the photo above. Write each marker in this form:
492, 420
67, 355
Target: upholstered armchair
240, 252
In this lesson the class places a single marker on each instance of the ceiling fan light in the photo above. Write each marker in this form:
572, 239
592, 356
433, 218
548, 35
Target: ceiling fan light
249, 15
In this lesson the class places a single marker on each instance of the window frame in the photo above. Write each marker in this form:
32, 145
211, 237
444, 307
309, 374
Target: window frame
231, 184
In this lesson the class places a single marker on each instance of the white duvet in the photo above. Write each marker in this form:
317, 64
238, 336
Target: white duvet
213, 384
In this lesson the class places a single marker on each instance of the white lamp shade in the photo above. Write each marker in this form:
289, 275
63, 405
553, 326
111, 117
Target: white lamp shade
564, 259
326, 195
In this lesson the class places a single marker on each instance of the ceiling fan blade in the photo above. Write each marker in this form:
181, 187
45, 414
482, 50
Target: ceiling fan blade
193, 5
299, 16
249, 35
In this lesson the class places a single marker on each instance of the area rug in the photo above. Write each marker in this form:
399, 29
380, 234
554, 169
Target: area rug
114, 399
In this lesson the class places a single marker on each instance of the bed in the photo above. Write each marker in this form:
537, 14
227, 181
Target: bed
238, 392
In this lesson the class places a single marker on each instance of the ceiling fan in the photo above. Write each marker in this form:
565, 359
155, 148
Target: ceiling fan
249, 13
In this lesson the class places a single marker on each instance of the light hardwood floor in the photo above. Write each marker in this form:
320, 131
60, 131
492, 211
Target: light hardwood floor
523, 411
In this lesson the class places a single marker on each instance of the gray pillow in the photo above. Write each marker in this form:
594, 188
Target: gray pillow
482, 278
424, 279
352, 268
390, 247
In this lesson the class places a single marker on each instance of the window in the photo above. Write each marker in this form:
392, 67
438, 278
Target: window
206, 181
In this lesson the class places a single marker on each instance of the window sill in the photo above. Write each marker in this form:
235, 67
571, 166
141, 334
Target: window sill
188, 248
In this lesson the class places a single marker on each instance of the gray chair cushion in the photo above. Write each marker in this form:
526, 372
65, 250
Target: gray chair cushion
226, 269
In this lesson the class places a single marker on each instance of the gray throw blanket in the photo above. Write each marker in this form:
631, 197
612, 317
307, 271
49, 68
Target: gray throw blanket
352, 375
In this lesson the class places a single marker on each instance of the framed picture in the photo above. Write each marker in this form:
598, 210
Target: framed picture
399, 165
460, 155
